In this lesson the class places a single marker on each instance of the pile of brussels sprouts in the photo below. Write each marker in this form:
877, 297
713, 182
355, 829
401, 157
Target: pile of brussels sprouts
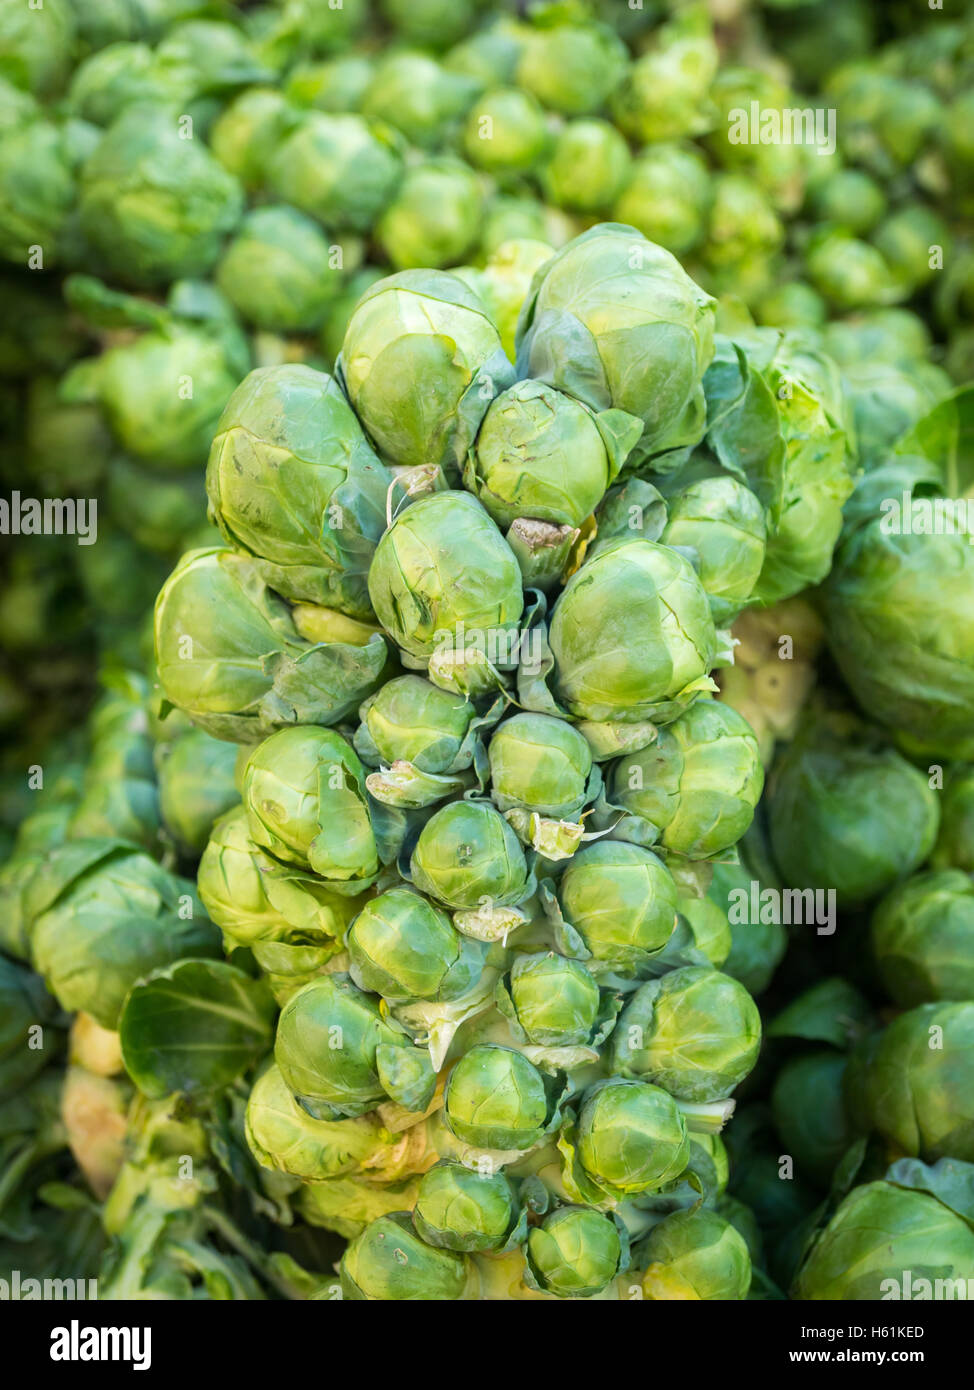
536, 662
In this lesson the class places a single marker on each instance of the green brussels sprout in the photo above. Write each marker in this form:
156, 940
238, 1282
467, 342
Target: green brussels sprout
888, 400
878, 1232
896, 336
916, 678
341, 169
431, 23
539, 763
411, 720
36, 46
723, 525
809, 1110
278, 271
848, 199
614, 320
140, 388
793, 305
667, 197
404, 948
420, 363
909, 239
570, 66
443, 569
884, 120
415, 95
923, 938
109, 80
757, 946
37, 182
326, 28
283, 1136
231, 656
196, 787
517, 464
847, 812
341, 308
489, 55
849, 273
337, 85
588, 167
695, 1255
709, 928
153, 205
497, 1099
339, 1057
955, 843
665, 92
630, 586
631, 1137
506, 133
743, 234
779, 167
918, 1089
695, 1032
510, 218
304, 790
158, 511
292, 481
104, 915
621, 901
555, 1002
576, 1252
389, 1262
460, 1209
247, 131
694, 791
252, 898
468, 855
434, 217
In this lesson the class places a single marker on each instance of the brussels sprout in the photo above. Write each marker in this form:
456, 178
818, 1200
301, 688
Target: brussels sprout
404, 948
631, 1137
506, 133
410, 719
621, 901
849, 199
955, 843
341, 169
709, 928
36, 46
848, 813
923, 938
389, 1261
253, 898
337, 85
664, 95
539, 763
695, 1032
517, 464
576, 1252
105, 915
632, 586
247, 131
793, 305
667, 197
278, 271
497, 1099
230, 654
743, 234
460, 1209
37, 184
414, 94
443, 570
509, 218
695, 1255
570, 67
24, 1005
153, 205
468, 856
196, 787
810, 1113
281, 1135
916, 678
553, 1001
420, 362
695, 789
721, 524
614, 320
919, 1090
502, 283
434, 217
879, 1232
757, 946
292, 480
339, 1057
588, 167
851, 274
304, 791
